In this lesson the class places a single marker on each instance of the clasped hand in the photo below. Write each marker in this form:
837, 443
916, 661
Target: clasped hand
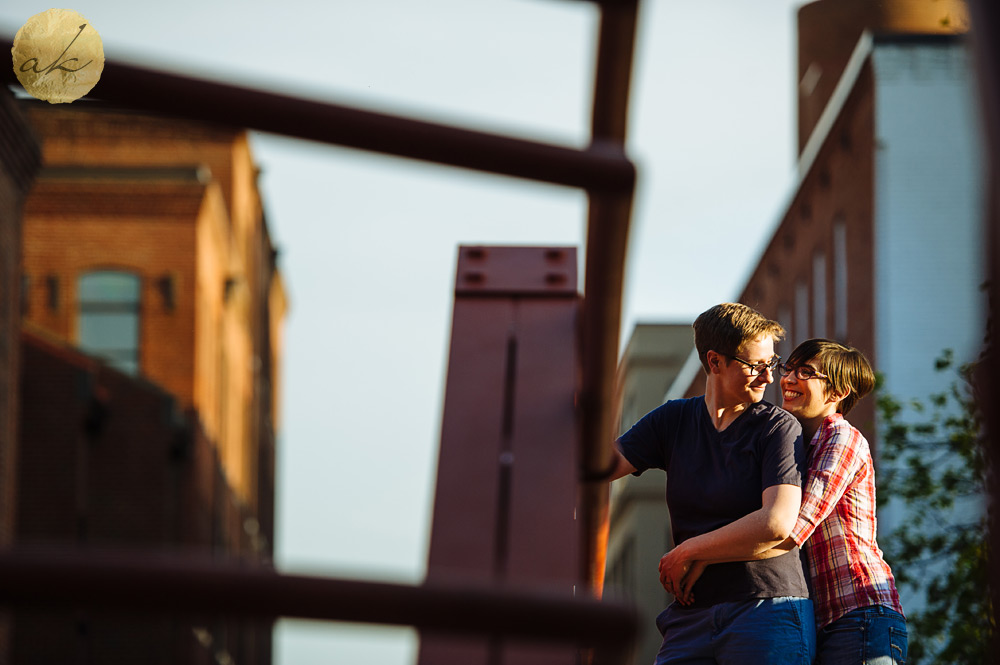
678, 574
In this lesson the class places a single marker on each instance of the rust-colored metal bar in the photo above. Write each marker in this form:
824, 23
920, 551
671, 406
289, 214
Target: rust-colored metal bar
597, 168
986, 49
616, 43
158, 583
607, 241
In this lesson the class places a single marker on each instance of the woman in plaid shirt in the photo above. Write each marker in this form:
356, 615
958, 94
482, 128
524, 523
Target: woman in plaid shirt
858, 614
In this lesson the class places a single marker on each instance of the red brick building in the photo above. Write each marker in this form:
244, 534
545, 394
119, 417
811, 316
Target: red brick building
151, 334
156, 226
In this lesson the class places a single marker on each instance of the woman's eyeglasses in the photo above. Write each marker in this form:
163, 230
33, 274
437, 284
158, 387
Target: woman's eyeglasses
758, 368
802, 372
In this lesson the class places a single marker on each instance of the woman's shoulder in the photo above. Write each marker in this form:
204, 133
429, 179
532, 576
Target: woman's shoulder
837, 431
683, 406
767, 412
674, 411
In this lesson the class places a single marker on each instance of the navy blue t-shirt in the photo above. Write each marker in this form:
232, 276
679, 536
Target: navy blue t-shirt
714, 478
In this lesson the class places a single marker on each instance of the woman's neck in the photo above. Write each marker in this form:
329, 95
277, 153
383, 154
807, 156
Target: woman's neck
722, 412
810, 427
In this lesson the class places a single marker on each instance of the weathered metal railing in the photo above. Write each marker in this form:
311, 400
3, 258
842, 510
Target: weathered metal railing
608, 177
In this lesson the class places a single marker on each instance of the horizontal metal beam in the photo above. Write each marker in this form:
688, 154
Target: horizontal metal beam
608, 3
158, 583
600, 167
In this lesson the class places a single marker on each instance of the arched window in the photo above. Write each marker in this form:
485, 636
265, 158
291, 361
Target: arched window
109, 317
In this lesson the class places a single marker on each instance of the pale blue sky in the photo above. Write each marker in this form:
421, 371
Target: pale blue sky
368, 243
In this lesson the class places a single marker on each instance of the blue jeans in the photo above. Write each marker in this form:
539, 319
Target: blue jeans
765, 631
867, 636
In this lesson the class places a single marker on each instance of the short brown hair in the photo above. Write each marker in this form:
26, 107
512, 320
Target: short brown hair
726, 328
847, 368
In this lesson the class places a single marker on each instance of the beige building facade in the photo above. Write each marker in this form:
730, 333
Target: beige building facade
639, 532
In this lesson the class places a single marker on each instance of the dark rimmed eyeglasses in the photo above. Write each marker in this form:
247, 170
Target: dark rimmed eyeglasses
802, 372
758, 368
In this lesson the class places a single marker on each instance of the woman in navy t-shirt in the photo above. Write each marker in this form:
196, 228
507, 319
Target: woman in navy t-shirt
733, 465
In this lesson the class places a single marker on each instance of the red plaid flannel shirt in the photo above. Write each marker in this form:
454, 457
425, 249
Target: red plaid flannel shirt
837, 525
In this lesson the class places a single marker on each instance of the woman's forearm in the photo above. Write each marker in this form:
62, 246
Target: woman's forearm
753, 536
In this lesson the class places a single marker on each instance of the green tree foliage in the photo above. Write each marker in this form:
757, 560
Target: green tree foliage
934, 462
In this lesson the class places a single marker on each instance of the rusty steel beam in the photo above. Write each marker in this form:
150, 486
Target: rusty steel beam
159, 583
607, 241
507, 486
597, 168
985, 15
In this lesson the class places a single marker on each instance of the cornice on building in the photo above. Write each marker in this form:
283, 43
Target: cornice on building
94, 119
115, 198
168, 173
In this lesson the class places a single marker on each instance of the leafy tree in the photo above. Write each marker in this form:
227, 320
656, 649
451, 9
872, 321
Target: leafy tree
935, 463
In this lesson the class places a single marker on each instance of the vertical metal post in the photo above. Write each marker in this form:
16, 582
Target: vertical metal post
986, 47
607, 241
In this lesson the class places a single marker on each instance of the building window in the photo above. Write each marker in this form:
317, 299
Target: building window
773, 391
109, 318
840, 279
52, 292
801, 313
786, 345
819, 295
